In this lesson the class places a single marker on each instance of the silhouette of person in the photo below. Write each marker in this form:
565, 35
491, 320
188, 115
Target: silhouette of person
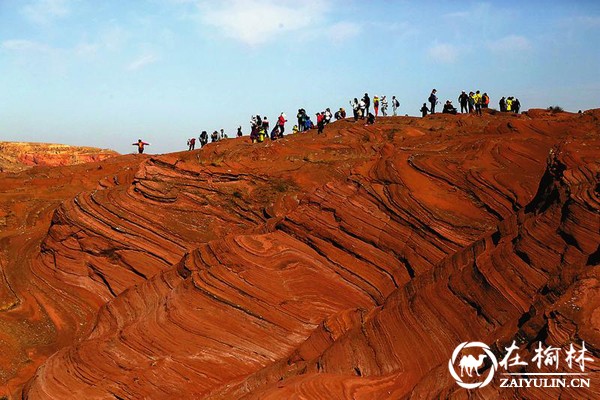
395, 105
367, 101
140, 144
463, 99
433, 100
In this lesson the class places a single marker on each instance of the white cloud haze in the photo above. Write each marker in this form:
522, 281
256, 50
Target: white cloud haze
44, 11
142, 61
255, 22
510, 43
444, 53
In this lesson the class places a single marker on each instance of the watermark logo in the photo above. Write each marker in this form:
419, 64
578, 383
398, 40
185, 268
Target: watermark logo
470, 364
470, 357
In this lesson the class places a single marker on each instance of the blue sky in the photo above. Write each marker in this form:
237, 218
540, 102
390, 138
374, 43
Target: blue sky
105, 73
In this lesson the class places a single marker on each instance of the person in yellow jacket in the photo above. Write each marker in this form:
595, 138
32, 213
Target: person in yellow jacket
477, 99
509, 102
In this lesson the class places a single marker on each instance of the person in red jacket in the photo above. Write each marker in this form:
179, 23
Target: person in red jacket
485, 101
191, 143
140, 144
320, 121
281, 124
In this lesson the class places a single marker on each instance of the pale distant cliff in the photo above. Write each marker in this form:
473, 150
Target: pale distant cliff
16, 156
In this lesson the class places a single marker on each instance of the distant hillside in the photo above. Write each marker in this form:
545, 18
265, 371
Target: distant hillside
16, 156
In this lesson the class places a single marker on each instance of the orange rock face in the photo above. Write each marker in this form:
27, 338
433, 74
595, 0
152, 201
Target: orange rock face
347, 265
19, 156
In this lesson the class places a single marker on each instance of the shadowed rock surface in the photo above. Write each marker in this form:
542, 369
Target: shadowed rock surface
345, 265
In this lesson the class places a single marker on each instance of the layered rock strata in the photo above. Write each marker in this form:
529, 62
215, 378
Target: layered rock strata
346, 265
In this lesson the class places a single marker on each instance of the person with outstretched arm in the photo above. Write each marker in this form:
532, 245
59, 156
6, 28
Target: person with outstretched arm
140, 144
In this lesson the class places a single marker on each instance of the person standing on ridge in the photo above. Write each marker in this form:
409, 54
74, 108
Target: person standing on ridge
281, 124
384, 106
433, 100
327, 116
367, 101
266, 124
308, 124
502, 104
203, 138
239, 131
463, 99
362, 107
191, 143
300, 117
355, 108
485, 100
253, 129
516, 105
424, 110
477, 100
395, 105
376, 105
471, 102
320, 122
140, 144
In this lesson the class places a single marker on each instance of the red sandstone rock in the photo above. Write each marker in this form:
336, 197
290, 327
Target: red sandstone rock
18, 156
342, 266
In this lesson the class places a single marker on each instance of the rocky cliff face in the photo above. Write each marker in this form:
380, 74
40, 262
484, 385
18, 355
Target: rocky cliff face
346, 265
18, 156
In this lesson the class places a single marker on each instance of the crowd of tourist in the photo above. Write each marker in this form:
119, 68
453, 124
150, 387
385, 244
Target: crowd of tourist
365, 109
473, 102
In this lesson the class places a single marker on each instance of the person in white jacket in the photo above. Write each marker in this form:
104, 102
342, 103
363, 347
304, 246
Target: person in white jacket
395, 104
384, 106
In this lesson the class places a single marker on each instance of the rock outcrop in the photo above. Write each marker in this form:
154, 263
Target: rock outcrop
335, 266
16, 156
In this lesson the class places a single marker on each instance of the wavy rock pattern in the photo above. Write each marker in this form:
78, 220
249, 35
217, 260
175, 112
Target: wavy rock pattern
347, 265
502, 287
37, 316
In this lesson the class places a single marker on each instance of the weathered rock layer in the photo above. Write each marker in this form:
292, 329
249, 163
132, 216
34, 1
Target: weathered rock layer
346, 265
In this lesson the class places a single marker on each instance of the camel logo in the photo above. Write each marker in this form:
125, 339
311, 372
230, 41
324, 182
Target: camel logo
470, 365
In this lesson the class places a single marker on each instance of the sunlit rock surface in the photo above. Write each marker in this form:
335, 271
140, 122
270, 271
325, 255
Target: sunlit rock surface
347, 265
16, 156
